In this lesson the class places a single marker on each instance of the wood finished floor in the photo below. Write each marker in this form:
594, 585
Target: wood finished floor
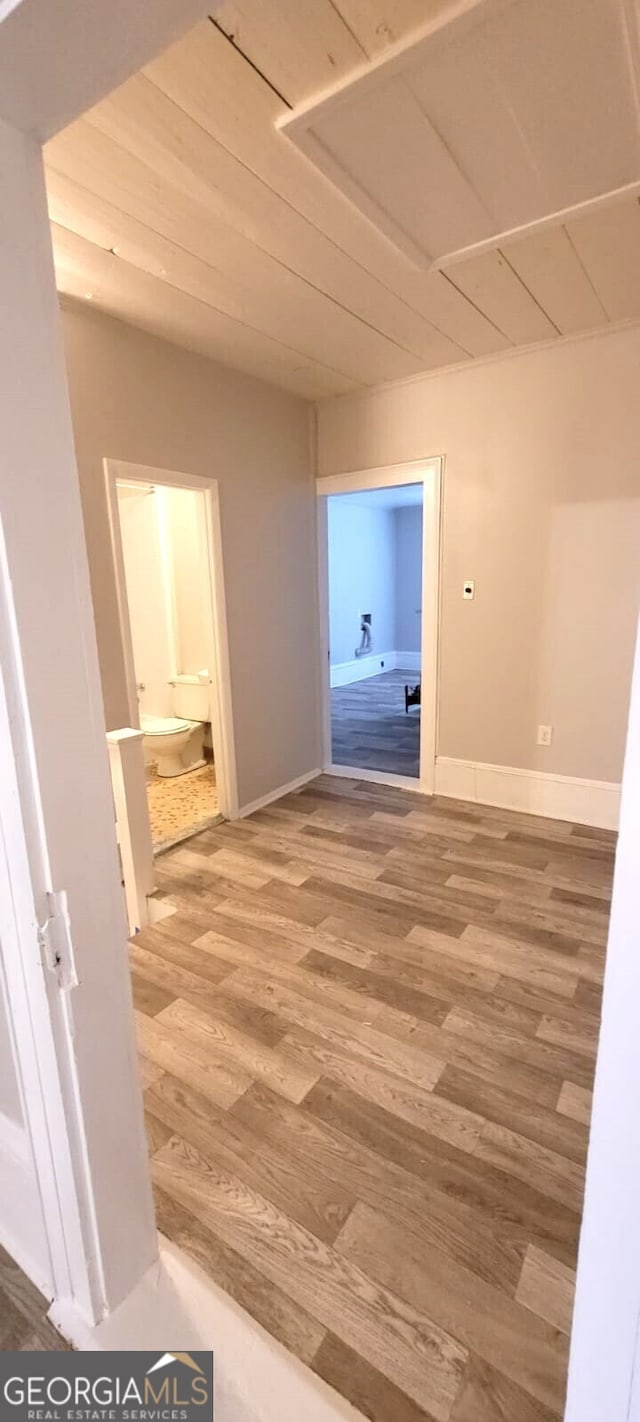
370, 728
24, 1326
368, 1036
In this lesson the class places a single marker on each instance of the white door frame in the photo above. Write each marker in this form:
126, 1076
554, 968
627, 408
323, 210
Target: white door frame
221, 703
429, 473
36, 1018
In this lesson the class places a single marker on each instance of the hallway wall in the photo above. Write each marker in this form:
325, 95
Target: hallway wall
140, 399
542, 509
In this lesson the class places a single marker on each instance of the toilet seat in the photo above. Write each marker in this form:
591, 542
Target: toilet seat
163, 725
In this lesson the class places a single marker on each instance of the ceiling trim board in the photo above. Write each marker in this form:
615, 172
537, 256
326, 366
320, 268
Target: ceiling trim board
495, 358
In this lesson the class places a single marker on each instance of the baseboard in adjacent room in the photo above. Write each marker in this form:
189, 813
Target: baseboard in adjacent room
557, 797
277, 793
344, 673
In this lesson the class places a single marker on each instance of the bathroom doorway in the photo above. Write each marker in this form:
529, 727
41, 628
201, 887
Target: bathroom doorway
167, 551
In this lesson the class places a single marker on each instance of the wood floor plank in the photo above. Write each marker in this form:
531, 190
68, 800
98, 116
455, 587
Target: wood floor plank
554, 1056
457, 1049
447, 1121
285, 1320
23, 1311
547, 1288
363, 1385
496, 1103
564, 1032
358, 1038
487, 1396
526, 1213
446, 1205
553, 1174
509, 1337
321, 1207
147, 996
408, 1348
217, 1039
380, 987
196, 1066
368, 1034
575, 1102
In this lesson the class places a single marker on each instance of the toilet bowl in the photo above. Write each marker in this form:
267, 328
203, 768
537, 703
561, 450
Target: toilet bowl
176, 742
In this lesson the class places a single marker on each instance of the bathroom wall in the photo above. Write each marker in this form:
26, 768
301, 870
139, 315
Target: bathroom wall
188, 552
147, 598
142, 400
408, 551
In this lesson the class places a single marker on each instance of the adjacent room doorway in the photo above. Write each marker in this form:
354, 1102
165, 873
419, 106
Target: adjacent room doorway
379, 547
168, 564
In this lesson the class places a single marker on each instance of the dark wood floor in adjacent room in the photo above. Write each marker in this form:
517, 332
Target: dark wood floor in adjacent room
368, 1034
370, 728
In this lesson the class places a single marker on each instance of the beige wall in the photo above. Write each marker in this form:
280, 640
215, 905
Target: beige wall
140, 399
542, 509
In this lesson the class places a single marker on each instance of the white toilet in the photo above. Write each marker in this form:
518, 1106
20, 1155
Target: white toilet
176, 742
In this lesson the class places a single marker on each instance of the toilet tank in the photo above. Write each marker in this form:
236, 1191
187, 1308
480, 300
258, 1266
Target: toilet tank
192, 697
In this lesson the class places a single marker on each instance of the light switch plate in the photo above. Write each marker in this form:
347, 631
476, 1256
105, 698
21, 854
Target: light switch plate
468, 588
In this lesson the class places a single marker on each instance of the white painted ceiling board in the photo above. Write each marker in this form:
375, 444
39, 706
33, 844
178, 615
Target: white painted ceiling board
274, 303
608, 244
212, 83
379, 23
308, 48
507, 178
388, 146
231, 242
490, 281
149, 303
179, 155
564, 70
549, 266
125, 182
560, 120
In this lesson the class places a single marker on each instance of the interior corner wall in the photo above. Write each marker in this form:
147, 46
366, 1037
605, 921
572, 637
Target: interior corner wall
140, 399
542, 510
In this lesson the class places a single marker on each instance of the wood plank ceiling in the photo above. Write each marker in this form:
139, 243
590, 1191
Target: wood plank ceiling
177, 205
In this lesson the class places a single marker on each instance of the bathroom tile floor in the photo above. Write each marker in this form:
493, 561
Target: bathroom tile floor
181, 804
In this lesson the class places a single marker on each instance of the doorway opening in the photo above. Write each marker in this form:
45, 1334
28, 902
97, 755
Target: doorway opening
379, 580
166, 550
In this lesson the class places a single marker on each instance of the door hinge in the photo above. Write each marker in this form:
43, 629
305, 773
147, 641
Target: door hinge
54, 937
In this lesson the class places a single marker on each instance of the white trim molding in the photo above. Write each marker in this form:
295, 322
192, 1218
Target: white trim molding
429, 473
344, 673
278, 793
537, 792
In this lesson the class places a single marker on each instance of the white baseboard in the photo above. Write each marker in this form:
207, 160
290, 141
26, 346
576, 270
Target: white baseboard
408, 661
557, 797
277, 794
344, 673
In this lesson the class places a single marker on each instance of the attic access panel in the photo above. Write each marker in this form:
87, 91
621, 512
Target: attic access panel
512, 114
